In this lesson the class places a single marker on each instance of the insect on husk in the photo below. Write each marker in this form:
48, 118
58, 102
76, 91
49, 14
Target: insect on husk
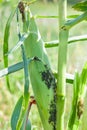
52, 112
22, 5
22, 9
80, 107
48, 77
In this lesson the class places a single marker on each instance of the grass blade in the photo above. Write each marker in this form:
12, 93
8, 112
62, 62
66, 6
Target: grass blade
20, 42
45, 16
53, 17
71, 40
81, 6
18, 119
28, 126
20, 65
5, 45
83, 80
72, 117
23, 115
26, 75
13, 68
69, 77
16, 113
79, 91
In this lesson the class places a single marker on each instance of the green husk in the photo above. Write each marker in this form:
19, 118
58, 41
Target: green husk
44, 95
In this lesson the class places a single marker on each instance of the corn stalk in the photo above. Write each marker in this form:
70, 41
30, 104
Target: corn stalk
62, 59
50, 98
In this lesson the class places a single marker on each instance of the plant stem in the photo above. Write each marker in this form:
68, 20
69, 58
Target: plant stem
71, 23
71, 40
62, 56
62, 12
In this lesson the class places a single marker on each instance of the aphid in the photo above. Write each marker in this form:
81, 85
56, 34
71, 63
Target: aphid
36, 58
52, 112
48, 77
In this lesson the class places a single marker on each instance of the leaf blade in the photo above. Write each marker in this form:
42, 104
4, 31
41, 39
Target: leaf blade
5, 44
16, 113
81, 6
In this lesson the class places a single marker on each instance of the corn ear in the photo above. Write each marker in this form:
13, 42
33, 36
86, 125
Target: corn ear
42, 79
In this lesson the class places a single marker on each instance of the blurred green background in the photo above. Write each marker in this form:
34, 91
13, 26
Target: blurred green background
77, 55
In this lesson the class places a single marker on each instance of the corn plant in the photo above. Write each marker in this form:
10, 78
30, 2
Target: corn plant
49, 87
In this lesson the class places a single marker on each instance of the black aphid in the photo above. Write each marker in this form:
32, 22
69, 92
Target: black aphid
36, 58
52, 113
48, 77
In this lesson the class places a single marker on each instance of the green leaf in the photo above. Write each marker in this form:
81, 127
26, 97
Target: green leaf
5, 45
73, 16
69, 77
26, 74
72, 117
13, 68
45, 16
54, 17
20, 42
79, 90
83, 79
23, 114
28, 126
20, 114
81, 6
16, 113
